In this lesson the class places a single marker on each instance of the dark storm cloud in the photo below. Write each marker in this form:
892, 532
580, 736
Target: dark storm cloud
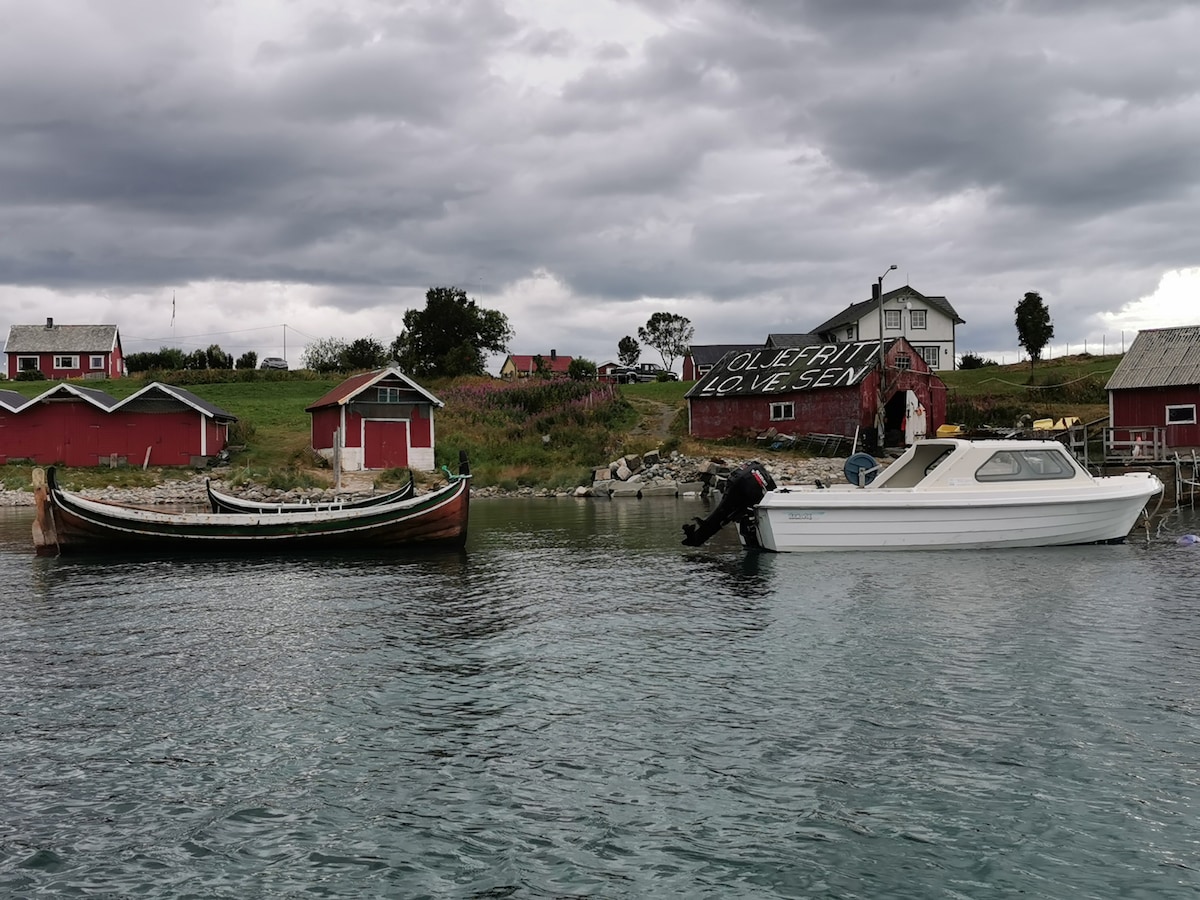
766, 155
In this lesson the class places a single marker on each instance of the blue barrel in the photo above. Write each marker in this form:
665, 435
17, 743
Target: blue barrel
860, 462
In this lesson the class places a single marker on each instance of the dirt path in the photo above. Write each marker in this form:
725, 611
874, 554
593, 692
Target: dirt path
656, 418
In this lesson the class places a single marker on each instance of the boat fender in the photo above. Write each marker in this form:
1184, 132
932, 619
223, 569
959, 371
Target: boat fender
863, 463
745, 487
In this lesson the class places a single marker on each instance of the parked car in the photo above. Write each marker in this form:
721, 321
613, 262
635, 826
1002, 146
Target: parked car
273, 362
654, 372
623, 375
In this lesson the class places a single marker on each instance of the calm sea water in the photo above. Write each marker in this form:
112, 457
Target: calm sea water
578, 706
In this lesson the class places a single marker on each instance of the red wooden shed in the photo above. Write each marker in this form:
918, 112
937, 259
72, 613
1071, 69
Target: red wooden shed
819, 389
376, 420
71, 425
1154, 393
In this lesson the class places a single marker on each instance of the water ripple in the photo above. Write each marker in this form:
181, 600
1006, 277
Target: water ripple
577, 706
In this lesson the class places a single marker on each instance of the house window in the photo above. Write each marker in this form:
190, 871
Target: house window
782, 411
903, 361
891, 319
931, 355
66, 362
850, 332
1181, 415
916, 319
389, 395
27, 363
97, 362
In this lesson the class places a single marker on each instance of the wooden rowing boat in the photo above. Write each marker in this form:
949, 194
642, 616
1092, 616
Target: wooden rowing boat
221, 502
65, 522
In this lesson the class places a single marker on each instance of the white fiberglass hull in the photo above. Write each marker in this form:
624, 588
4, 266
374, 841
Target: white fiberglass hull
806, 519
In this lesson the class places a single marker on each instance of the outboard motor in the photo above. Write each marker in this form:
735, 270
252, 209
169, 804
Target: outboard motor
745, 487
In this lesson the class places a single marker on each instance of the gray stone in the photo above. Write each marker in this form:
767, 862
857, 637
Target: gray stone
623, 473
662, 489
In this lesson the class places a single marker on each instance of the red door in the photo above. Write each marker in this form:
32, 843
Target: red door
385, 444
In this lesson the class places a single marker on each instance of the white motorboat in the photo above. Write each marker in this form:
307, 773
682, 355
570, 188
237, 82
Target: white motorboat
945, 493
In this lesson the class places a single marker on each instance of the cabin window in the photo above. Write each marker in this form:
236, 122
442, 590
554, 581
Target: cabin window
902, 361
97, 362
66, 362
782, 411
389, 394
931, 355
27, 363
916, 319
850, 333
891, 319
1025, 465
1182, 414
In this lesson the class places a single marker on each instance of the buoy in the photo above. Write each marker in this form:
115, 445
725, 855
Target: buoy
1188, 539
1137, 447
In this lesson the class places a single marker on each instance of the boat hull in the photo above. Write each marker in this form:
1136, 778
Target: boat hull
812, 520
67, 523
228, 503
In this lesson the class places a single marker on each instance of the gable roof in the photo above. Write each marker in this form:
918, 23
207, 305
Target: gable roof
524, 363
768, 370
62, 339
856, 311
108, 403
793, 340
356, 384
12, 400
710, 354
1159, 357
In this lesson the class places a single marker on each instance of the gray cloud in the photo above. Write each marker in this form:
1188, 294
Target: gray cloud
746, 159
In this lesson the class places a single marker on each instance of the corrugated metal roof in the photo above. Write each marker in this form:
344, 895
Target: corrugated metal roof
1159, 357
61, 339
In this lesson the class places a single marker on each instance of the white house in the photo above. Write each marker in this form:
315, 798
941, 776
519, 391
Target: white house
925, 322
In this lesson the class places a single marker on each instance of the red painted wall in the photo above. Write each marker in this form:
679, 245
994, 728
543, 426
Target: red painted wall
1147, 407
325, 421
826, 411
113, 365
75, 433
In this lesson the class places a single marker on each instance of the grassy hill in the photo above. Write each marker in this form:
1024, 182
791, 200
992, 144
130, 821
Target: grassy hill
552, 434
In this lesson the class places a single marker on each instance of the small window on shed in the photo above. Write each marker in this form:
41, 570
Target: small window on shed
1183, 414
782, 411
903, 361
389, 395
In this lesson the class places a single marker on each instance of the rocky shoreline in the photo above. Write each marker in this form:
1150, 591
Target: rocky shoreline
648, 476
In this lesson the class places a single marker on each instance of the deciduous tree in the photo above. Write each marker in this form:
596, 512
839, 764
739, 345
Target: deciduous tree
247, 360
450, 336
629, 351
324, 355
580, 369
669, 334
364, 353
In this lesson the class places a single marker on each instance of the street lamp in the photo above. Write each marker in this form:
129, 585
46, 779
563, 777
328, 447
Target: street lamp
877, 290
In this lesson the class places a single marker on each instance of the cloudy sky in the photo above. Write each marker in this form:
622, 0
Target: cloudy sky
289, 170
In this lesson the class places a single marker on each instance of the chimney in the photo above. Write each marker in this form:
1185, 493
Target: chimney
554, 354
49, 322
